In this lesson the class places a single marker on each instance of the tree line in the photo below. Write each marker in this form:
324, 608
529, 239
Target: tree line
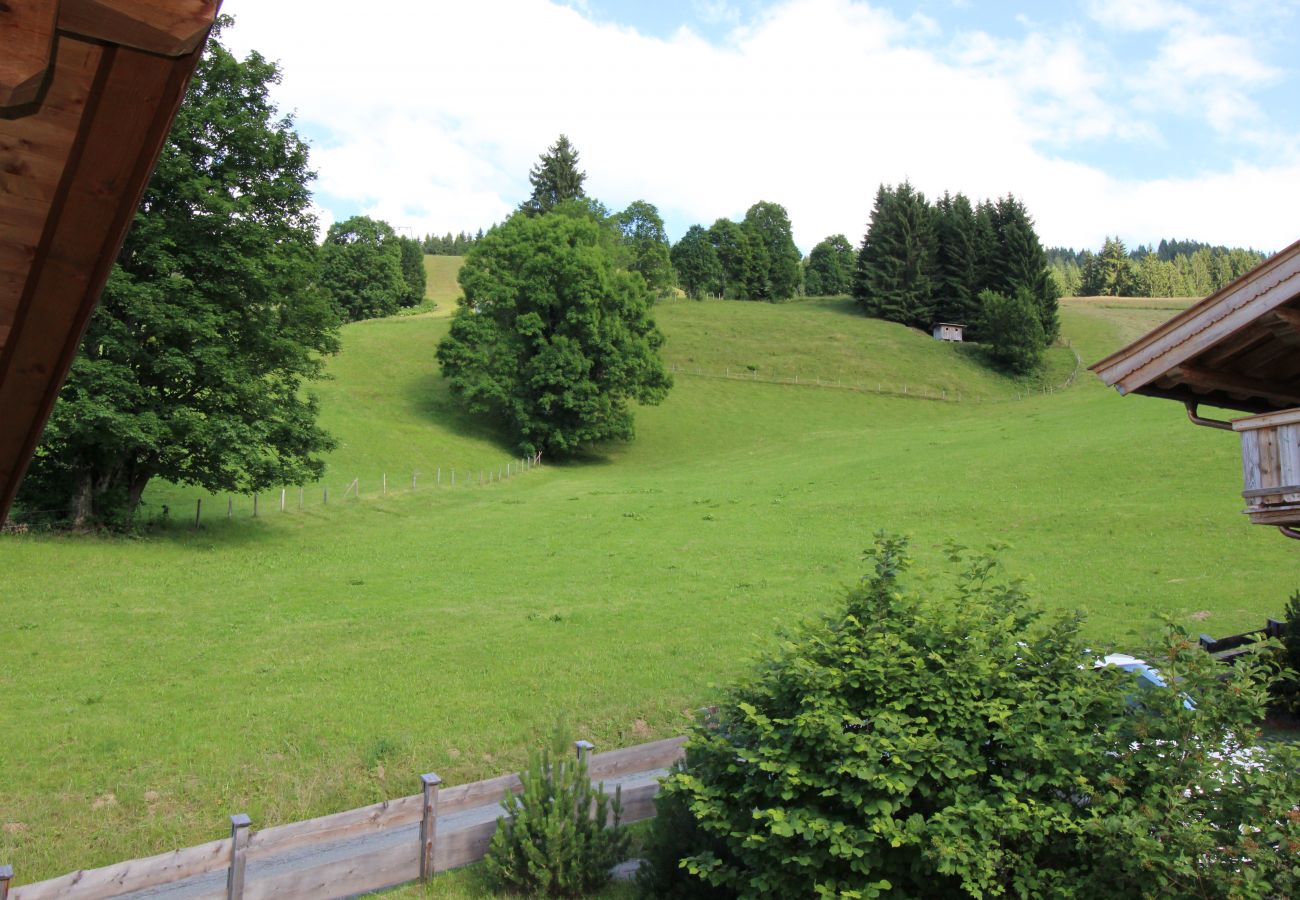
1171, 269
450, 244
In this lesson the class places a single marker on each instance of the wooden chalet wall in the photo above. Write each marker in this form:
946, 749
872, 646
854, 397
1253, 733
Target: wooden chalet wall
88, 92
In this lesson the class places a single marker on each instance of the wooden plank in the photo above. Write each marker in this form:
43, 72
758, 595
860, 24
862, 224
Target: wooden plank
642, 758
128, 111
167, 27
1288, 456
478, 793
1267, 420
463, 846
134, 875
1250, 460
1268, 461
341, 878
1237, 385
27, 36
638, 803
366, 820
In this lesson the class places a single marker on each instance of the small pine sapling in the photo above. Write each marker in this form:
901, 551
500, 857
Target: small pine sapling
553, 840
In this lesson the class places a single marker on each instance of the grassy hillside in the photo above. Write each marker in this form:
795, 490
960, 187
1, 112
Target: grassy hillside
441, 286
312, 661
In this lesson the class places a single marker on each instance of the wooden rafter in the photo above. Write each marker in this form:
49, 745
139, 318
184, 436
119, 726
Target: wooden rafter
1236, 385
167, 27
27, 39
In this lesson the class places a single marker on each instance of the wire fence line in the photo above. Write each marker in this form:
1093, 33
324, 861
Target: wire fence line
298, 497
883, 388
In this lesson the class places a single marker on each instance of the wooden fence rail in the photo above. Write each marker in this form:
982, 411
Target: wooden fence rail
1234, 645
350, 852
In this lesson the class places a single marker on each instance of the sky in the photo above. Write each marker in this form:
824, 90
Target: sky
1143, 119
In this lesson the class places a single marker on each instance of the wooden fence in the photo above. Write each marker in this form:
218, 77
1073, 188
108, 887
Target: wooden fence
1234, 645
351, 852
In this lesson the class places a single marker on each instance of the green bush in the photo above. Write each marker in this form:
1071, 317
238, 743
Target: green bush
1011, 328
1286, 692
955, 742
554, 842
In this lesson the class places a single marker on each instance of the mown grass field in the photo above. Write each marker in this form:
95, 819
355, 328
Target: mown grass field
308, 662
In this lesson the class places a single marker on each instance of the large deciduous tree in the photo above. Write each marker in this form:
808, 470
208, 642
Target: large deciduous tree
696, 263
413, 272
552, 336
769, 225
193, 367
361, 267
830, 268
646, 244
555, 178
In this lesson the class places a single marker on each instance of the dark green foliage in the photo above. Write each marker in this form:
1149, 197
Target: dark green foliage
1286, 692
893, 279
674, 835
954, 742
646, 243
768, 225
1175, 269
1021, 263
956, 286
551, 336
361, 268
830, 268
193, 366
1011, 328
555, 178
696, 262
742, 270
1109, 273
552, 844
449, 244
413, 271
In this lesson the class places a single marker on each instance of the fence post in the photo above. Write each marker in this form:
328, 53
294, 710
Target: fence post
428, 823
230, 507
282, 493
325, 496
255, 506
300, 493
439, 475
414, 479
198, 511
584, 748
6, 875
238, 855
453, 477
385, 484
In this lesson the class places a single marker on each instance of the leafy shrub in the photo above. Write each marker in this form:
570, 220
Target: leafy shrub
957, 743
1012, 329
554, 841
1286, 692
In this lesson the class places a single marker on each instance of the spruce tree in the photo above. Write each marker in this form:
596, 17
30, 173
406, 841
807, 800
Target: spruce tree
893, 279
956, 279
555, 178
1024, 262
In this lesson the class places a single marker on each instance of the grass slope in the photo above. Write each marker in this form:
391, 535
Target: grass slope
441, 286
313, 661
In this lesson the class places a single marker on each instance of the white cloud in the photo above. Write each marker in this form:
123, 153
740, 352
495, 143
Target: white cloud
430, 115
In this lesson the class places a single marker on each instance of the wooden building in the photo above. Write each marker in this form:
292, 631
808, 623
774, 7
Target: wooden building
88, 92
947, 331
1239, 350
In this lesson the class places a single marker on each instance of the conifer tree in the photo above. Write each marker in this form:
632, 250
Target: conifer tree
956, 279
893, 279
769, 224
555, 178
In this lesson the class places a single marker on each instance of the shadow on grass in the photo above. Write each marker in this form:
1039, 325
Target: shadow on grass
431, 397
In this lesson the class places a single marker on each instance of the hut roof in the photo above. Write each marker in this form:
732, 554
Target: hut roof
1239, 348
88, 92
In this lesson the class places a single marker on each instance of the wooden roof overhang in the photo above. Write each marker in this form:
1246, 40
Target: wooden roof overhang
88, 93
1239, 348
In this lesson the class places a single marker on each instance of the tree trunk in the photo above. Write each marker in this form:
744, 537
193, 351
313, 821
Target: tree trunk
82, 507
135, 490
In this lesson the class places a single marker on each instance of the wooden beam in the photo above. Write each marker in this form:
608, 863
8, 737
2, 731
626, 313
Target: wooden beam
1290, 315
165, 27
124, 125
1236, 385
27, 36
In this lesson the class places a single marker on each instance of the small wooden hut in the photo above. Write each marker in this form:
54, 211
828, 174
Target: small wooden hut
947, 331
1238, 349
88, 92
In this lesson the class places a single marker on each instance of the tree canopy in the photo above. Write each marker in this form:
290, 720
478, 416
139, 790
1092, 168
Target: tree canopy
362, 268
413, 273
646, 244
193, 367
696, 261
555, 178
893, 276
551, 336
830, 268
769, 226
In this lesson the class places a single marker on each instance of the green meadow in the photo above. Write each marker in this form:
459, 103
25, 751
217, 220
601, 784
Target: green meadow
318, 659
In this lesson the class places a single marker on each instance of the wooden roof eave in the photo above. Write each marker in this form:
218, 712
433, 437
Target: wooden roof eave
1171, 349
75, 158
